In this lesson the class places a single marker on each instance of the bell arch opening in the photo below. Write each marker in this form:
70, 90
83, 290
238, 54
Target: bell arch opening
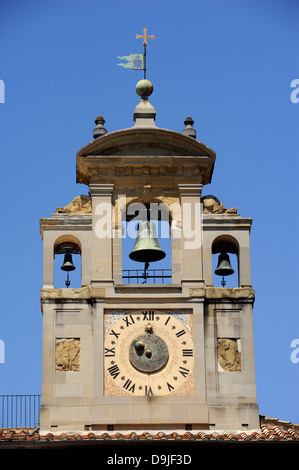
146, 244
225, 261
67, 262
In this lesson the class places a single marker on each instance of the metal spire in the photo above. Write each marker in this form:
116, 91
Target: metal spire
144, 37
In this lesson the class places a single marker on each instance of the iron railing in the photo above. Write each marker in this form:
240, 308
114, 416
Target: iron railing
19, 411
150, 276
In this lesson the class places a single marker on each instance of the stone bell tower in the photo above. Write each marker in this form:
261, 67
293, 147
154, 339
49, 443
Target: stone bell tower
119, 355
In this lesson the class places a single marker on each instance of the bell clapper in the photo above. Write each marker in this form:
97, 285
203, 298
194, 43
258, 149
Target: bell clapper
145, 273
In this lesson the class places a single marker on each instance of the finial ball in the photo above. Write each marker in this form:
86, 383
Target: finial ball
144, 88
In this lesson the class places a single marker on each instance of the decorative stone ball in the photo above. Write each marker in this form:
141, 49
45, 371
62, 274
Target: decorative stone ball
144, 88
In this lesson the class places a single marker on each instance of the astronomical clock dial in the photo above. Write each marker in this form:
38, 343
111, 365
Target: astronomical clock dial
148, 353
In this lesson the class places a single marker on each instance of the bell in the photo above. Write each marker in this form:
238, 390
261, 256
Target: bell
147, 248
68, 263
224, 268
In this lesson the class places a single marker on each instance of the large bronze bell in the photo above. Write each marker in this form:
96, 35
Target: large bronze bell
147, 248
224, 267
68, 263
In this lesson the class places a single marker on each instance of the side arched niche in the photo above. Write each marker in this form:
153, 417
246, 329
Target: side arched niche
226, 245
64, 246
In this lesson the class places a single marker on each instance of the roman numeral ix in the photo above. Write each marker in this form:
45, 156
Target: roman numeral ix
109, 352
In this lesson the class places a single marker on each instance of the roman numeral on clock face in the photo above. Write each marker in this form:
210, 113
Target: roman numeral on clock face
112, 332
148, 390
148, 315
114, 371
187, 352
184, 371
127, 385
127, 320
109, 352
180, 333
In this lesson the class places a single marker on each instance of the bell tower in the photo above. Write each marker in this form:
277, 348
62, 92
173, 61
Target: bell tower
125, 353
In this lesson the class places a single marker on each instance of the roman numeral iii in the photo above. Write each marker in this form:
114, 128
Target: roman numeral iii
187, 352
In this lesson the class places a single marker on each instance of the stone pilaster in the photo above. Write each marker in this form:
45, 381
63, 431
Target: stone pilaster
102, 213
191, 233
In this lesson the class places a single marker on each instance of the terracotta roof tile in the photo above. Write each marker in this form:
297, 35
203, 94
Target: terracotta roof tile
271, 430
266, 434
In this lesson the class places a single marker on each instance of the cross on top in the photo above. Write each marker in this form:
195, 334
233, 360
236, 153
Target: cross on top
144, 37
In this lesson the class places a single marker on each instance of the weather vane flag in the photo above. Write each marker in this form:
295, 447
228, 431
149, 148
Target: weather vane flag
137, 61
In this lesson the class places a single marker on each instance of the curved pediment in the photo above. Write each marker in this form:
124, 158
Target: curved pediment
143, 141
151, 152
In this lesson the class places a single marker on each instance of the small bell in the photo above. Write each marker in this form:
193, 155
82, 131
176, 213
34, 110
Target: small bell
68, 266
68, 263
224, 267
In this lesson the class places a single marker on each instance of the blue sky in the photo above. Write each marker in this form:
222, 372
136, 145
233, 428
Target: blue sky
229, 65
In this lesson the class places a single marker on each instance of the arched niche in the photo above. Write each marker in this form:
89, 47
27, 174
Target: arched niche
159, 214
67, 244
228, 245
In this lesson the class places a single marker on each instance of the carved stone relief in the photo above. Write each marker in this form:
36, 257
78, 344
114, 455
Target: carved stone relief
79, 205
229, 357
82, 204
212, 205
68, 354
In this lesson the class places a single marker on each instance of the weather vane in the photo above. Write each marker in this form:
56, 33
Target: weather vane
137, 61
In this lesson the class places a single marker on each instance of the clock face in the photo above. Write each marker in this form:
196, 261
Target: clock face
148, 352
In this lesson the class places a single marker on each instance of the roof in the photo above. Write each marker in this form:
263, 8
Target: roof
155, 145
271, 430
125, 141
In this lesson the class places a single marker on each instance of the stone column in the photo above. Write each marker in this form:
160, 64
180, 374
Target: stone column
191, 240
102, 210
244, 260
48, 261
48, 358
117, 227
